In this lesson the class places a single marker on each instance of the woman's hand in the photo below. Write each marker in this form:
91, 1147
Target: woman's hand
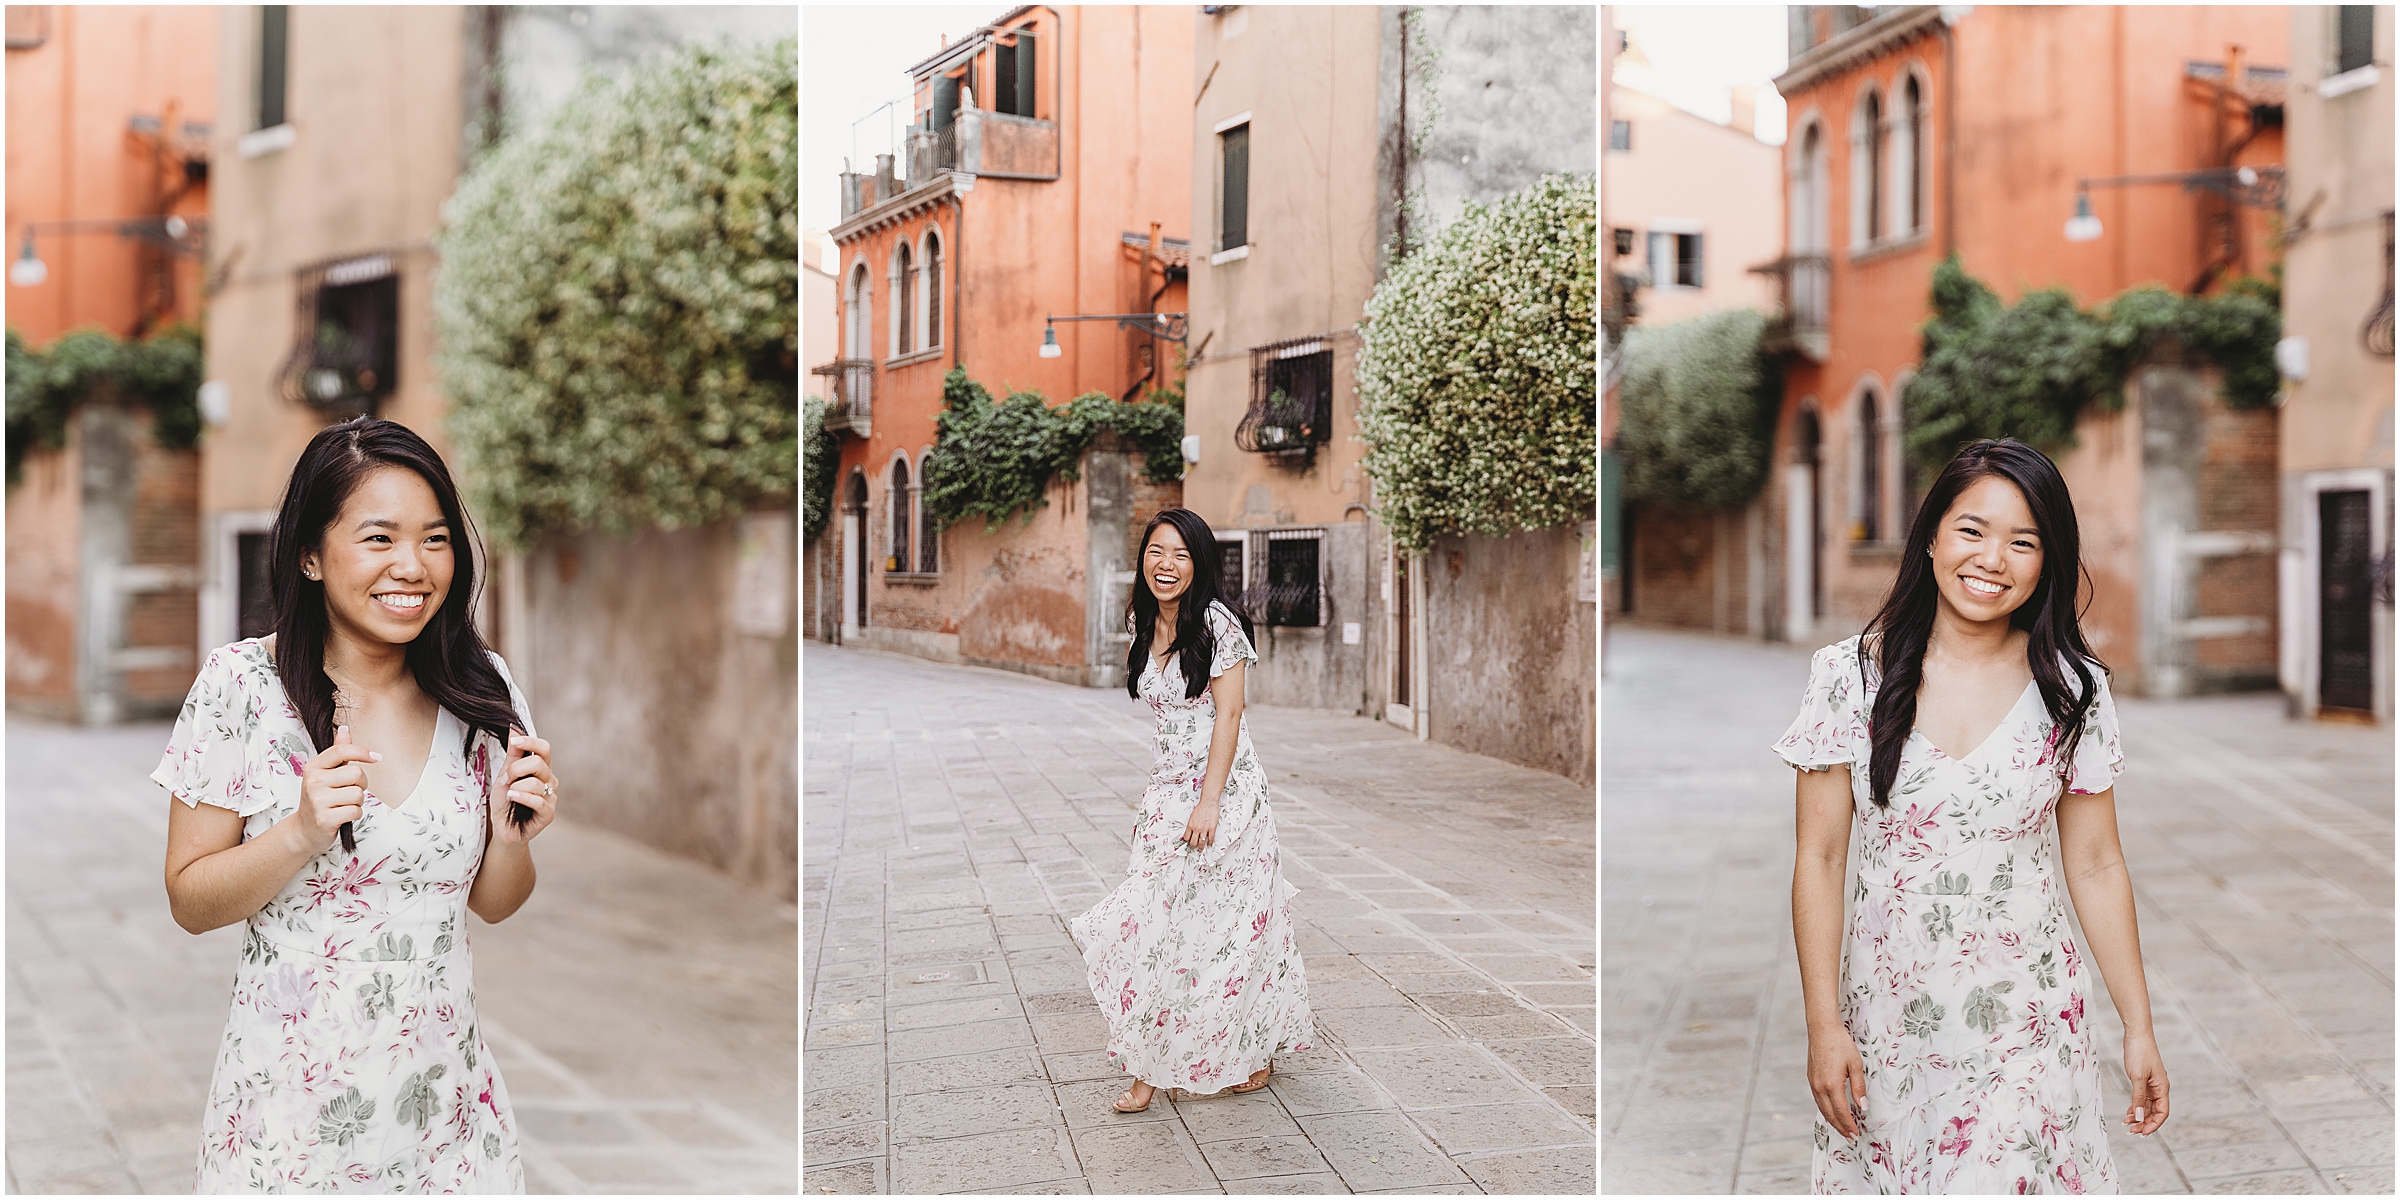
333, 791
531, 784
2148, 1079
1838, 1077
1201, 831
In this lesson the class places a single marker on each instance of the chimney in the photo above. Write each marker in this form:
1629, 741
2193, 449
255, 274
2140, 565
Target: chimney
1745, 108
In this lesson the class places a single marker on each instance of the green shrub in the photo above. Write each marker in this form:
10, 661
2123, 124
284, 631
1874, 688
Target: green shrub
618, 301
822, 467
1476, 382
162, 373
994, 459
1696, 411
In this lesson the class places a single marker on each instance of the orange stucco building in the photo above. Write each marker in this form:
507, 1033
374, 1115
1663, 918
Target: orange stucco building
1045, 151
109, 113
1921, 132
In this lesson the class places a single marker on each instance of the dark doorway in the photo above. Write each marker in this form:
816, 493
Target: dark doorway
1401, 679
2345, 618
857, 549
1806, 454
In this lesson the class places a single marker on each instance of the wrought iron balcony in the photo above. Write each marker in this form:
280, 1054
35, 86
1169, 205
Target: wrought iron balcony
850, 384
1805, 284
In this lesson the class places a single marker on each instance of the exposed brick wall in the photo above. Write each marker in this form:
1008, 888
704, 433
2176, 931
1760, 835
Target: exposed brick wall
2238, 491
1149, 500
164, 531
1673, 576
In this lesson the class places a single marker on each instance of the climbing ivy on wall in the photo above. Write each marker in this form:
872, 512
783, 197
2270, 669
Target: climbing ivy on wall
993, 459
162, 373
1476, 387
1696, 411
821, 467
2026, 370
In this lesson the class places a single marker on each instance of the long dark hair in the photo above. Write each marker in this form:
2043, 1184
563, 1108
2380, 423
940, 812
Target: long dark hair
448, 657
1195, 644
1905, 622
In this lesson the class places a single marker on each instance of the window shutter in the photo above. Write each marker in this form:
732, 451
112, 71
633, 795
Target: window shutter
2357, 36
273, 42
1236, 203
945, 102
1692, 261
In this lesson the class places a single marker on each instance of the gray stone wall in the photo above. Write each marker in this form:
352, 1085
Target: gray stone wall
670, 713
1509, 649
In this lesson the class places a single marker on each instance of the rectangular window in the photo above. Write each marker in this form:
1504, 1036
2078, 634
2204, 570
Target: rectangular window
1675, 260
1233, 205
254, 603
1620, 135
2356, 37
1291, 397
1233, 562
1012, 75
1294, 590
348, 352
273, 43
1621, 240
945, 102
28, 25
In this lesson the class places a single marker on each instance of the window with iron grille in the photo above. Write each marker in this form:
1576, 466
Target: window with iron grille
928, 535
274, 25
1233, 565
1291, 397
899, 497
1013, 75
347, 355
1233, 205
1293, 591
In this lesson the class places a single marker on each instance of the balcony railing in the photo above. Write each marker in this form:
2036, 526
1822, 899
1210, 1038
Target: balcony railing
850, 384
1805, 282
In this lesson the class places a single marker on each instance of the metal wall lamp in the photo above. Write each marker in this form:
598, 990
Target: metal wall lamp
180, 235
1172, 327
2255, 187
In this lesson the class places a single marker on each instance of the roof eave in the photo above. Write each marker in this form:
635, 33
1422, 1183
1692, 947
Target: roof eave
1883, 35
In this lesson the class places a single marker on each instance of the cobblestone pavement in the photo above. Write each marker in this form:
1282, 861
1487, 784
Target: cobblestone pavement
2261, 852
641, 1005
956, 818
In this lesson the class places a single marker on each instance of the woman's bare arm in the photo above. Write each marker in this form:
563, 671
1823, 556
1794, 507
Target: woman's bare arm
214, 878
2093, 860
1820, 864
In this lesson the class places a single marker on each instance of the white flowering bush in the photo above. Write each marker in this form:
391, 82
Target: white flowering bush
618, 301
1476, 387
1696, 411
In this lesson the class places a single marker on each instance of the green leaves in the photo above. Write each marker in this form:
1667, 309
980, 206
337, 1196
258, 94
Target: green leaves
1476, 391
162, 372
2026, 370
821, 466
618, 301
1696, 411
994, 459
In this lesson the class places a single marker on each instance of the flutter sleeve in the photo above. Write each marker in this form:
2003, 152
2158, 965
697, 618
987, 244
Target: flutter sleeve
224, 750
1233, 646
2099, 756
1831, 729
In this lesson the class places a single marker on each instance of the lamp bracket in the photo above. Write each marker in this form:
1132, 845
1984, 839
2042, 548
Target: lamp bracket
1172, 327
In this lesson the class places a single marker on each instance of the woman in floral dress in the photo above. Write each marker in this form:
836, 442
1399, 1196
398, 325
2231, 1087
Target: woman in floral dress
1953, 1052
351, 786
1192, 959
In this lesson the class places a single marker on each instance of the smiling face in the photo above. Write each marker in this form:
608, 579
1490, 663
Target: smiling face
387, 560
1987, 554
1166, 564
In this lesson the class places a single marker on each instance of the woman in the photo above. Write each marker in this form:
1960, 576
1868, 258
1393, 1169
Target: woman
1955, 1053
348, 785
1191, 958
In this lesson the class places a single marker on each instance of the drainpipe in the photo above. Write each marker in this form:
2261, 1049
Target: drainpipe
958, 271
1949, 139
1147, 253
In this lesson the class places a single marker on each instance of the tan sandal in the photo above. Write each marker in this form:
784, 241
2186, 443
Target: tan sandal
1119, 1103
1257, 1081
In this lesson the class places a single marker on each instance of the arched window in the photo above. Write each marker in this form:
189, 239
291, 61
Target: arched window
1908, 159
902, 514
933, 291
1868, 522
860, 317
1870, 177
1808, 235
928, 538
904, 286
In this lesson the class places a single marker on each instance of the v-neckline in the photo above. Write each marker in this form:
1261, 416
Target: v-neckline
1994, 732
432, 749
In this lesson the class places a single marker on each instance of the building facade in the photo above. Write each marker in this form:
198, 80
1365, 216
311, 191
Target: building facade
1045, 174
1315, 148
110, 113
1916, 133
2336, 419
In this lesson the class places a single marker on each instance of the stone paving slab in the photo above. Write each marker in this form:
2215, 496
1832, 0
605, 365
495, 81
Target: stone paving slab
2261, 852
955, 819
641, 1006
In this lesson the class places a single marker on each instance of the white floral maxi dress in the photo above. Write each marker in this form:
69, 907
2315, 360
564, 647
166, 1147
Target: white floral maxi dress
1961, 980
1192, 958
352, 1061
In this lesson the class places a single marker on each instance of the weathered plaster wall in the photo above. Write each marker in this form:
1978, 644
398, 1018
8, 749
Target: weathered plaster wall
45, 520
667, 723
1510, 649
